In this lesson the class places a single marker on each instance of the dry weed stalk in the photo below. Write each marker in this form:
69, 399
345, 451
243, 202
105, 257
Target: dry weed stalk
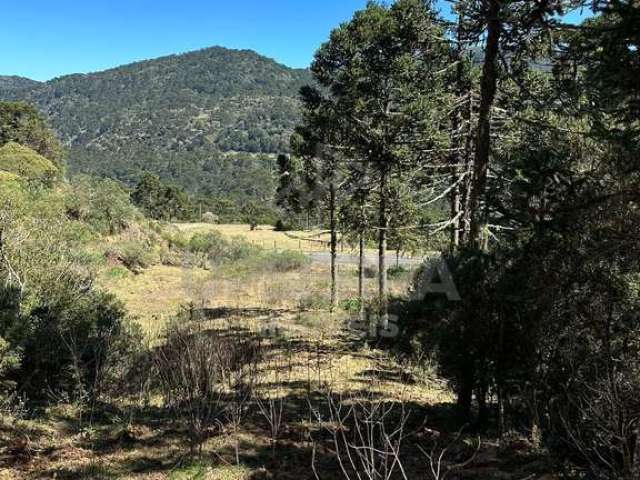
436, 457
272, 408
367, 436
206, 377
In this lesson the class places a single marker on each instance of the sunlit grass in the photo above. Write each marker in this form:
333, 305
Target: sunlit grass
307, 353
264, 236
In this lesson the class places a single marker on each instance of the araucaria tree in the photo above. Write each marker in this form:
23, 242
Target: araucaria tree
510, 29
316, 142
383, 73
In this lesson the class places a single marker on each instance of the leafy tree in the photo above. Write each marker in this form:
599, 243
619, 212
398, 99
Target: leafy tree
287, 194
511, 27
315, 143
27, 164
102, 203
21, 123
256, 214
58, 330
160, 200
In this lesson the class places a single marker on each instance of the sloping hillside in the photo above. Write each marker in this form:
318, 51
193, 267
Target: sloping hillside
178, 116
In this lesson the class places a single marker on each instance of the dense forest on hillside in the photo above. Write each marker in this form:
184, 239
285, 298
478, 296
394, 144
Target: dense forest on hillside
187, 118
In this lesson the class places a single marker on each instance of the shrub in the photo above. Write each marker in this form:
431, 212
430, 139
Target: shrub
370, 272
67, 339
171, 257
9, 362
212, 244
175, 239
133, 255
350, 305
205, 376
239, 254
285, 261
314, 301
102, 203
26, 163
281, 226
397, 271
62, 331
209, 217
239, 249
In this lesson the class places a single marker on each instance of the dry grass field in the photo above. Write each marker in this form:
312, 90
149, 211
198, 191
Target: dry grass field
139, 440
158, 292
312, 353
265, 236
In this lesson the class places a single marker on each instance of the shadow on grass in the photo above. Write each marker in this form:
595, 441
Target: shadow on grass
163, 444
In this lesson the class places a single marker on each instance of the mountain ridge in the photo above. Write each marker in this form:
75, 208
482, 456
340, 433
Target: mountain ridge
180, 116
152, 59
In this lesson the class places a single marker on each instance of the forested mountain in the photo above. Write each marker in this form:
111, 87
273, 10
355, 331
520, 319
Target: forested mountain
188, 118
12, 85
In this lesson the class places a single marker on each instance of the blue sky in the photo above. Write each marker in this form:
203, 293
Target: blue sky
42, 39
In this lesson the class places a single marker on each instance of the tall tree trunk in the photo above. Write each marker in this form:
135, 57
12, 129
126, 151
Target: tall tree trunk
334, 242
483, 142
465, 399
382, 251
361, 259
456, 145
467, 185
454, 240
500, 369
500, 407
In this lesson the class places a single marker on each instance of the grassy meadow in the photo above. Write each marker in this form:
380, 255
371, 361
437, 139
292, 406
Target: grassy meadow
170, 287
307, 354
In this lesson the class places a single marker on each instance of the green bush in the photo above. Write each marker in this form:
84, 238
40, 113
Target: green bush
370, 272
281, 226
9, 363
285, 261
213, 247
26, 163
239, 249
60, 336
174, 238
350, 305
236, 253
68, 338
132, 254
397, 271
101, 203
211, 244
